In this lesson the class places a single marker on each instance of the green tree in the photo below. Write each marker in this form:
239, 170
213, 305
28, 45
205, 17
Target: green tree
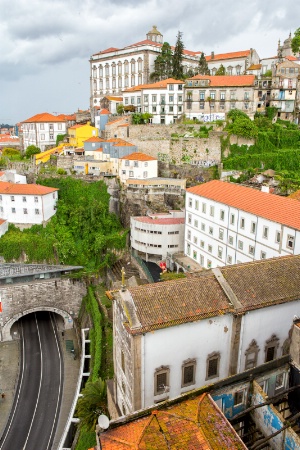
32, 150
120, 108
177, 72
296, 42
244, 127
221, 70
235, 114
60, 138
163, 66
92, 403
202, 66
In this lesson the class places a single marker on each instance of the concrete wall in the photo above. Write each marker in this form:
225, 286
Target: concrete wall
61, 294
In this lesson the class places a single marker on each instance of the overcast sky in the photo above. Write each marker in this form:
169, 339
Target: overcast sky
46, 44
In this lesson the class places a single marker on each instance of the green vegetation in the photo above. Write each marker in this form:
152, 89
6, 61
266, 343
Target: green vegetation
163, 65
12, 154
296, 42
141, 118
32, 150
221, 70
60, 138
120, 108
92, 404
171, 276
203, 66
82, 232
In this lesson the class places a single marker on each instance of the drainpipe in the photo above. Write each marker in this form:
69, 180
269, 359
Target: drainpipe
241, 344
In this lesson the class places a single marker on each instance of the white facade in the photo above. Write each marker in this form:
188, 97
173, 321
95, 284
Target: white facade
42, 130
211, 346
235, 63
137, 165
164, 100
3, 227
155, 235
218, 234
27, 204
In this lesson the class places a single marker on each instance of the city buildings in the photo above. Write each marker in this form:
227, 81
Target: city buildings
137, 165
228, 224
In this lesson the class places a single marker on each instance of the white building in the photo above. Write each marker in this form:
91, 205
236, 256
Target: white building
137, 165
155, 235
115, 69
173, 337
42, 130
234, 63
27, 204
163, 99
227, 224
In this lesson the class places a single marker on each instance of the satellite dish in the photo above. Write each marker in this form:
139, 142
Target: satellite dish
103, 422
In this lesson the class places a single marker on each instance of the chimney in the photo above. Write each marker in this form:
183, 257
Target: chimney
212, 55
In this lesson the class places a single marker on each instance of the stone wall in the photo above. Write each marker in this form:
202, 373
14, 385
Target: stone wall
63, 294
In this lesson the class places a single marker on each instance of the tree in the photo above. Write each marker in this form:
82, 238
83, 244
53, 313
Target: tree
92, 403
296, 42
32, 150
221, 70
202, 66
8, 151
235, 114
60, 138
178, 57
120, 109
163, 64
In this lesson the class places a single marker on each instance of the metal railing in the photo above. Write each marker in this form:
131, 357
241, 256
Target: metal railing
143, 267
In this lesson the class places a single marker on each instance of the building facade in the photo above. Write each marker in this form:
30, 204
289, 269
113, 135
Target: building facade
27, 204
157, 234
207, 327
137, 165
228, 224
285, 93
209, 98
42, 130
163, 99
234, 63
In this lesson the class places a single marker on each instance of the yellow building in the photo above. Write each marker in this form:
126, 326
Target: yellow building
79, 133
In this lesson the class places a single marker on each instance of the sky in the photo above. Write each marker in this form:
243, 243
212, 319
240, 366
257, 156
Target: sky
45, 45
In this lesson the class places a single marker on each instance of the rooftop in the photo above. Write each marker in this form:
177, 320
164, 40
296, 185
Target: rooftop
138, 156
25, 189
231, 55
192, 424
227, 80
283, 210
46, 117
161, 221
163, 84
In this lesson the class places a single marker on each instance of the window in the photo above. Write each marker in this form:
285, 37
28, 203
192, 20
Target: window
171, 87
195, 240
145, 174
204, 208
126, 162
42, 126
161, 380
240, 245
190, 218
230, 240
280, 379
221, 233
210, 248
131, 173
37, 211
24, 199
190, 202
271, 348
153, 98
154, 109
212, 365
212, 211
229, 259
222, 214
290, 242
135, 164
202, 244
208, 264
146, 164
25, 211
194, 254
253, 227
12, 198
180, 98
251, 250
242, 223
146, 97
265, 232
171, 98
202, 260
278, 237
251, 355
188, 249
171, 109
232, 218
239, 397
220, 252
196, 223
36, 199
263, 255
13, 210
197, 204
202, 226
188, 372
211, 230
42, 137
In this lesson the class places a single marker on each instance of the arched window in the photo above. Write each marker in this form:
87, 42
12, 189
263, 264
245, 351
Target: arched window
271, 348
132, 66
126, 67
251, 355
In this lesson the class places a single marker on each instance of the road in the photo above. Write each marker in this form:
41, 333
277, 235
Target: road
35, 412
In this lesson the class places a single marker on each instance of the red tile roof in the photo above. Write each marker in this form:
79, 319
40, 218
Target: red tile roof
138, 156
191, 424
231, 55
157, 85
161, 221
104, 111
120, 142
108, 50
227, 80
94, 139
25, 189
114, 121
278, 209
2, 221
45, 117
291, 58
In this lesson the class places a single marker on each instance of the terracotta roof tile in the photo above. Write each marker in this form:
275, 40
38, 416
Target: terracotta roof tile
157, 85
191, 424
138, 156
227, 80
120, 142
231, 55
25, 189
279, 209
94, 139
44, 117
108, 50
178, 301
161, 221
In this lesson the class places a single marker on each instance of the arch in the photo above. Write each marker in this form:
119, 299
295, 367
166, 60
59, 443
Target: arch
68, 320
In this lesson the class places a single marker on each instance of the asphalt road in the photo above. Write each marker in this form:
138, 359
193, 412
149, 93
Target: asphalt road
35, 412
